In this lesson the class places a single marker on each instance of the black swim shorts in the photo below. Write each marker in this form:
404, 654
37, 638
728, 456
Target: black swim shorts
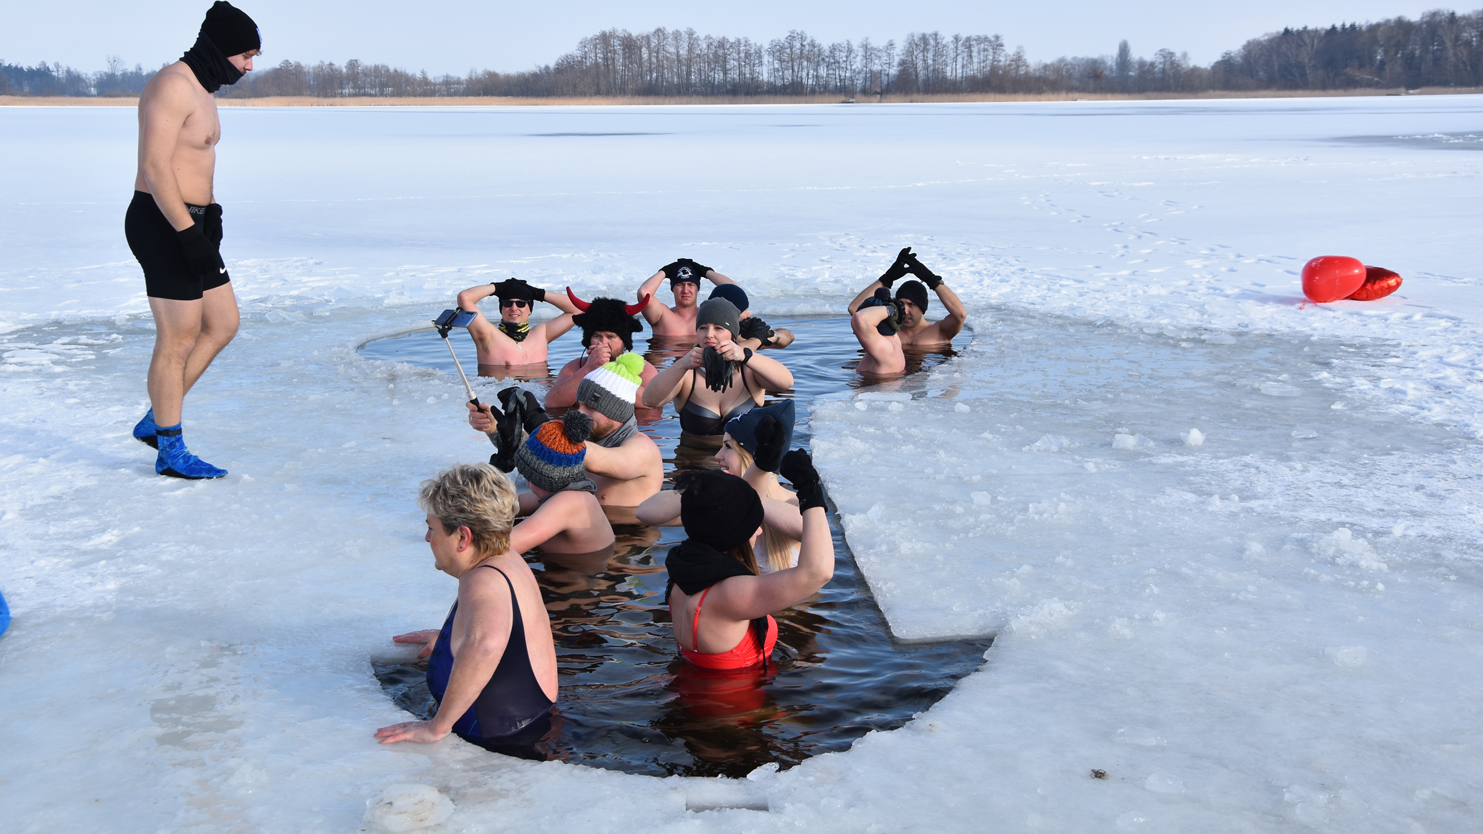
157, 248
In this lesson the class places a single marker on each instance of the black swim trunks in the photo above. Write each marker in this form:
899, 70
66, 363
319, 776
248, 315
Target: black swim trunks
156, 246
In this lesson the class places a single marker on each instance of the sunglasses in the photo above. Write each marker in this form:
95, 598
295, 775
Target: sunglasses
514, 302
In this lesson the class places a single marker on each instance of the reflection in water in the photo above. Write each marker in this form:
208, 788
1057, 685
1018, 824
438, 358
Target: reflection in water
516, 373
629, 703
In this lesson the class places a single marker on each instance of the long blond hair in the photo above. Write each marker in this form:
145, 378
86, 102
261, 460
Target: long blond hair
779, 548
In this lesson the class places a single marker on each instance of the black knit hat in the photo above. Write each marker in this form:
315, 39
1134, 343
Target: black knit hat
915, 292
608, 314
231, 29
733, 293
718, 509
719, 311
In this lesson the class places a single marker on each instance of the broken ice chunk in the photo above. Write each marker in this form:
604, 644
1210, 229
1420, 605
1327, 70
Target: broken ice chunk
1132, 442
1193, 437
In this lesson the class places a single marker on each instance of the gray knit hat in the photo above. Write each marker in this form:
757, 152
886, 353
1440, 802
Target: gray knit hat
719, 311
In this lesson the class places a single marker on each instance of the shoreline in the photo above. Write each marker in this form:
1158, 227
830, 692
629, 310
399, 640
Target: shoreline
569, 101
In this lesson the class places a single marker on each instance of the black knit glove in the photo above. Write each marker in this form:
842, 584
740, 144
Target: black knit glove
700, 269
717, 369
930, 278
202, 257
511, 288
771, 436
798, 468
899, 268
755, 328
672, 269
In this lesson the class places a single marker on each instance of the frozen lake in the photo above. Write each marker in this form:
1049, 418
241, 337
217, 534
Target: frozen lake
1276, 628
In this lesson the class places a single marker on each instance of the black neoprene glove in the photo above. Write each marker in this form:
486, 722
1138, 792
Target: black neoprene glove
755, 328
201, 255
892, 322
899, 268
798, 468
771, 437
717, 370
699, 268
531, 413
930, 278
506, 431
672, 268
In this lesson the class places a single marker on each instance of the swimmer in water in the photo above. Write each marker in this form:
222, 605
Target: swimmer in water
709, 392
607, 326
622, 462
752, 449
563, 515
914, 329
755, 333
515, 341
173, 226
492, 669
684, 282
721, 609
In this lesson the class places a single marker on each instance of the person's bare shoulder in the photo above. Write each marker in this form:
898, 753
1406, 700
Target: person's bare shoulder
171, 87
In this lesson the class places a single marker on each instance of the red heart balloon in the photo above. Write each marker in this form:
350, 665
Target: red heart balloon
1332, 277
1379, 282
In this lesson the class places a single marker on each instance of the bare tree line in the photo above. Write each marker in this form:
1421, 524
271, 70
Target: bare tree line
1441, 48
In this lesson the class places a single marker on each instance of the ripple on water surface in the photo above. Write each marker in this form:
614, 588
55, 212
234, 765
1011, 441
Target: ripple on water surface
628, 703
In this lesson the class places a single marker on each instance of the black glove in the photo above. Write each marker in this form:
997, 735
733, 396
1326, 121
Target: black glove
755, 328
672, 269
699, 269
506, 441
899, 268
930, 278
202, 257
771, 436
511, 288
717, 370
892, 322
531, 413
798, 468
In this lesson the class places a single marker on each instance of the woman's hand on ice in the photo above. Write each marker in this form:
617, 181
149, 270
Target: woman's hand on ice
421, 732
427, 637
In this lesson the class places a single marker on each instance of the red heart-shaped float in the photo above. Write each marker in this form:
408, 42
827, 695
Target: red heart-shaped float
1379, 282
1332, 277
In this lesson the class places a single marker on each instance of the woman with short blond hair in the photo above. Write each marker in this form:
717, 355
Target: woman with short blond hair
492, 668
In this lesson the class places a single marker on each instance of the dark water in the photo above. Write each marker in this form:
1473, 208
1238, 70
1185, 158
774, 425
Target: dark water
628, 703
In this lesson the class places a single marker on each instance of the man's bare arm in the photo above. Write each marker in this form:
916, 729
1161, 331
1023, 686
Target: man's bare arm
656, 308
957, 314
161, 122
864, 322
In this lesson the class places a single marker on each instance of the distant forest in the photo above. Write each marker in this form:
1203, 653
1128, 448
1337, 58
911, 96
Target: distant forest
1441, 49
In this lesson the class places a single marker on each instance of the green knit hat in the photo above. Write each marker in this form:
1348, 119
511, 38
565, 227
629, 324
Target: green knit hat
611, 389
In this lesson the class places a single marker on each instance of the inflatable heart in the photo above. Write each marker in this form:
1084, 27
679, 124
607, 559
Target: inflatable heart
1332, 277
1379, 282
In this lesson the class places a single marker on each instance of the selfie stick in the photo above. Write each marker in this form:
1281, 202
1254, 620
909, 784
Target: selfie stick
444, 323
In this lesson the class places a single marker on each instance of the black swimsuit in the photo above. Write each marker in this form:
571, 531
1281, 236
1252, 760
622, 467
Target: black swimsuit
697, 419
156, 246
512, 700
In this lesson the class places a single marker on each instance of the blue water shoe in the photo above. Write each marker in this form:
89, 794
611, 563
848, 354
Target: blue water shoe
144, 430
174, 460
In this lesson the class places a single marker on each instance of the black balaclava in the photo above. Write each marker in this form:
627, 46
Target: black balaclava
226, 31
915, 292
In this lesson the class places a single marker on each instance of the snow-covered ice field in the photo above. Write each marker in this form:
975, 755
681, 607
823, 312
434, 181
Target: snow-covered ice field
1270, 624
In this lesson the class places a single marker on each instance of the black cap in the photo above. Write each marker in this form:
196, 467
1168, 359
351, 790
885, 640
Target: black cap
915, 292
231, 29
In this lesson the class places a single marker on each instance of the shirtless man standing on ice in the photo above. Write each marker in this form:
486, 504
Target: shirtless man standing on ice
174, 228
885, 324
514, 341
684, 281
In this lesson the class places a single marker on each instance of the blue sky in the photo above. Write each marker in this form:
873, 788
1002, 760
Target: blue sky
456, 35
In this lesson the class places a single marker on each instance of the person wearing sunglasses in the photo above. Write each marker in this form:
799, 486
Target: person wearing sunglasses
515, 341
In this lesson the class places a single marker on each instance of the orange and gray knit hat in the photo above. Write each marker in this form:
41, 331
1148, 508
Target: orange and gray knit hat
552, 457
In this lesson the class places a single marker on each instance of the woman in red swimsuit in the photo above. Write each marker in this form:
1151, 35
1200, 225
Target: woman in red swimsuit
720, 607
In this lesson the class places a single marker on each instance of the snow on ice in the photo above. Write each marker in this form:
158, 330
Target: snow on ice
1264, 622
